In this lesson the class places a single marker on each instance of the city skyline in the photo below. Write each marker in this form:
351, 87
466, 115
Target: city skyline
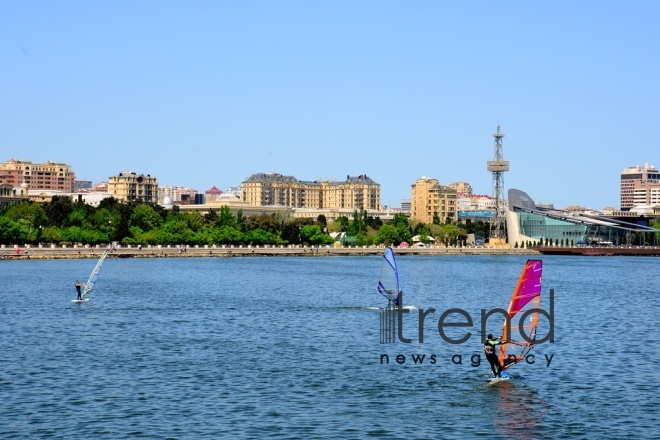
210, 93
230, 188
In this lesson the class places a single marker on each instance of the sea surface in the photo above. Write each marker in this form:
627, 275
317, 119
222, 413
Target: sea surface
288, 347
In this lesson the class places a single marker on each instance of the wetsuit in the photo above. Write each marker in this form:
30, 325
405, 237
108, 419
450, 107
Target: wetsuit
489, 349
78, 289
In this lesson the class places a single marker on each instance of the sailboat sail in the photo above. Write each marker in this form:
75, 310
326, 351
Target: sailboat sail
93, 277
526, 296
388, 283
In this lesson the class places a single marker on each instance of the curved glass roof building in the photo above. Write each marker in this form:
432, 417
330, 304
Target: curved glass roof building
528, 223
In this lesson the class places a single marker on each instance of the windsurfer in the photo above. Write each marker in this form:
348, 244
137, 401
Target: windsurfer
78, 286
489, 349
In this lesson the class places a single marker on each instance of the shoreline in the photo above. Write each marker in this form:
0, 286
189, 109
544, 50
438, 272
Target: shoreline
48, 253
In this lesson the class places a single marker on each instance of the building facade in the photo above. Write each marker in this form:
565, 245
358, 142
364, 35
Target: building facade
177, 194
273, 189
356, 192
12, 195
463, 189
131, 187
527, 222
212, 194
82, 185
639, 186
39, 176
429, 198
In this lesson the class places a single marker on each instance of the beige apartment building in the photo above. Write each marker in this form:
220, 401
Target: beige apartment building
54, 176
131, 187
462, 188
429, 197
273, 189
356, 192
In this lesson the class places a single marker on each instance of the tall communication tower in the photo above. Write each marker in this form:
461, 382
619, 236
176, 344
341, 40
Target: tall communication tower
498, 167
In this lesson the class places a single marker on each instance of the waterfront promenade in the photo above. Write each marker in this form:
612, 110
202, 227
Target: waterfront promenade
70, 252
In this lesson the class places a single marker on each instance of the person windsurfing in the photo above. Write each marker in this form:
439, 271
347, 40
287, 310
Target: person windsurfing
78, 286
489, 349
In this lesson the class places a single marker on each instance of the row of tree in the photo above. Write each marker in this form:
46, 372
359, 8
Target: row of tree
63, 221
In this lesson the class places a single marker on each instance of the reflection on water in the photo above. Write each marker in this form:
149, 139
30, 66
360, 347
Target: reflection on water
519, 413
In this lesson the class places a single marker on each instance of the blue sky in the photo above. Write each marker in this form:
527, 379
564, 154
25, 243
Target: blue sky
204, 93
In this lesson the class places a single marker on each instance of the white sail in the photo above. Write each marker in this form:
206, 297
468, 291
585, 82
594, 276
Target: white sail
93, 277
388, 283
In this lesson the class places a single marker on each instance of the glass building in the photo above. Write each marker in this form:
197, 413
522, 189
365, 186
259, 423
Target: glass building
528, 223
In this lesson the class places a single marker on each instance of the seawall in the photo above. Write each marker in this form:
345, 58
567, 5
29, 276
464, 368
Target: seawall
13, 253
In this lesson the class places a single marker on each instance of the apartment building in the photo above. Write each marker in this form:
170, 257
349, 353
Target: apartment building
639, 186
356, 192
429, 197
463, 189
131, 187
54, 176
177, 194
274, 189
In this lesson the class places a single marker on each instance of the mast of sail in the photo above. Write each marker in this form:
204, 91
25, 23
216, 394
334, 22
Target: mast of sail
526, 296
94, 275
388, 286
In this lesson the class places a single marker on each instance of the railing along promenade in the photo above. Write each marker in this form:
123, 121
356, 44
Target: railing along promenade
14, 252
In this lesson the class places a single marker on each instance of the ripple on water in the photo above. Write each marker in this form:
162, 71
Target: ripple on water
288, 348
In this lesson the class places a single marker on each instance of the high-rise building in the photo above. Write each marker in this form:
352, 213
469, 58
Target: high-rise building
54, 176
639, 186
429, 199
131, 187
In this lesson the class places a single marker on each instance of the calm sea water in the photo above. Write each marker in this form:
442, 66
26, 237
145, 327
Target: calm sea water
270, 347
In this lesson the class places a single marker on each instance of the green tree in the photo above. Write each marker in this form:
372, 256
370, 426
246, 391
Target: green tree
343, 221
73, 234
58, 210
388, 235
32, 212
257, 237
290, 233
146, 218
51, 234
321, 221
211, 218
400, 221
77, 217
10, 231
194, 220
313, 235
264, 222
225, 217
230, 235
